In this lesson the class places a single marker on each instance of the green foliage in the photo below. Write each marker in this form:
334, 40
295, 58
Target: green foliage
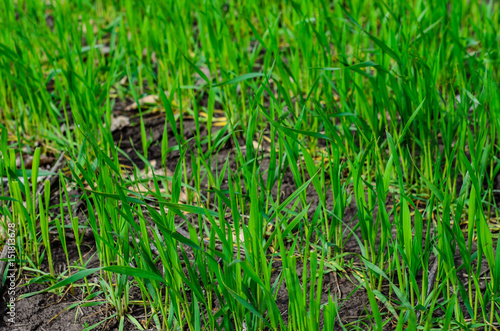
349, 121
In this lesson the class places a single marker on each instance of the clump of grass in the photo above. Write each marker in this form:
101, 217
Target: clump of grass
296, 128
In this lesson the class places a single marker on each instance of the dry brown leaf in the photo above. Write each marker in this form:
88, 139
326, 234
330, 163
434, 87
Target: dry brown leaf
119, 122
123, 81
88, 187
149, 185
241, 237
254, 143
151, 100
147, 100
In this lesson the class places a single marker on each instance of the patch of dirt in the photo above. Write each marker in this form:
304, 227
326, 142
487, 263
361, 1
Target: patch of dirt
50, 311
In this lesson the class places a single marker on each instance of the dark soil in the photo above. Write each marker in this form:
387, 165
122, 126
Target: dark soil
50, 311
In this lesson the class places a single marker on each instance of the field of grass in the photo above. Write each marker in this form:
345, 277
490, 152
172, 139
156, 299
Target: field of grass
250, 165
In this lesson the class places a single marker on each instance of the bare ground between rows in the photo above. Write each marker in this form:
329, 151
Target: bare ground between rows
47, 310
52, 311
